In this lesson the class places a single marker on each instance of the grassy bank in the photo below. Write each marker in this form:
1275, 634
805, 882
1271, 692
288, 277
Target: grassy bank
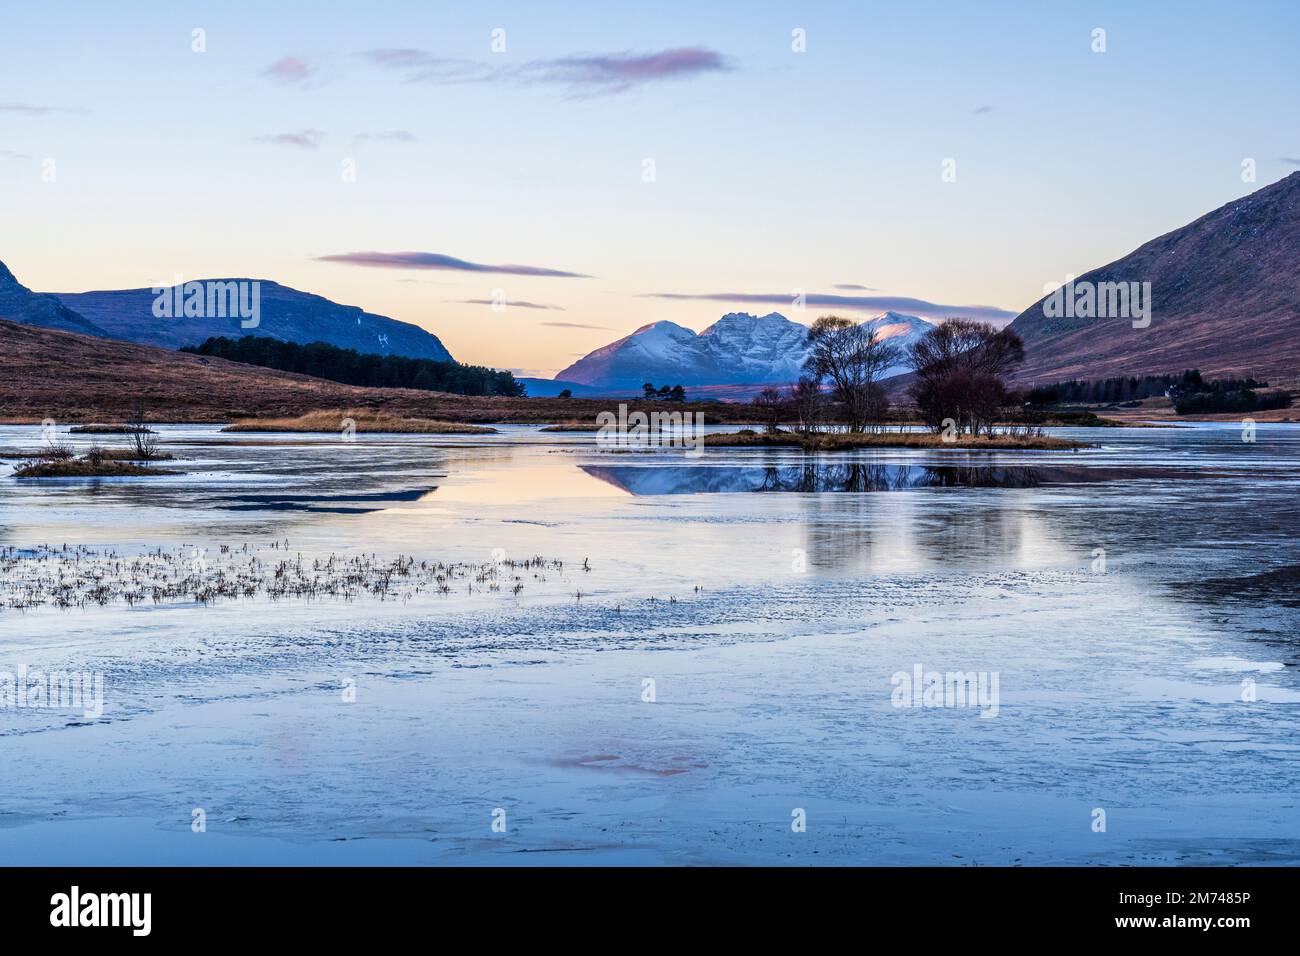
844, 441
362, 420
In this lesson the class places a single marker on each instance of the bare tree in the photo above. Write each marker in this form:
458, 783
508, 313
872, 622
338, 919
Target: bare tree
769, 404
144, 441
808, 402
853, 357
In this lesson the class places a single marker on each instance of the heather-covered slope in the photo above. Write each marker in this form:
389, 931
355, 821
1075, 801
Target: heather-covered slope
1225, 295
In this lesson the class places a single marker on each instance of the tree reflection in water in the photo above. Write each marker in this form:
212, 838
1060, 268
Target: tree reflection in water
814, 477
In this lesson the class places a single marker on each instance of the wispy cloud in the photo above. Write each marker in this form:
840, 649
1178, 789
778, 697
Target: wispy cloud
302, 139
617, 72
291, 70
437, 260
388, 136
420, 66
11, 154
853, 287
513, 303
577, 325
874, 303
591, 74
980, 110
1291, 160
31, 109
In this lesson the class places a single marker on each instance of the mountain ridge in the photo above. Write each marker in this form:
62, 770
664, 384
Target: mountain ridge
20, 304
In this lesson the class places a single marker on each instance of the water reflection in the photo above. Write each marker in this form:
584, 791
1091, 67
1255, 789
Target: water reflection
814, 477
870, 534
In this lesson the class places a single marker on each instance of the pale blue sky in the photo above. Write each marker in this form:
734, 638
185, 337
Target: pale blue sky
774, 170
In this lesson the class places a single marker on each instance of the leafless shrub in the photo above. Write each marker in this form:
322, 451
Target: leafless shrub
144, 441
56, 451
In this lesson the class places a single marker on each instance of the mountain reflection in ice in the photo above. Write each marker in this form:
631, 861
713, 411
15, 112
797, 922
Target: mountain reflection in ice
816, 476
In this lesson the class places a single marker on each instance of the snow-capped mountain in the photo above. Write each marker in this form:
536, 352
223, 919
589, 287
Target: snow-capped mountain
768, 348
738, 349
900, 330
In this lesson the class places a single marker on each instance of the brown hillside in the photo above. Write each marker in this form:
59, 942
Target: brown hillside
1226, 299
79, 378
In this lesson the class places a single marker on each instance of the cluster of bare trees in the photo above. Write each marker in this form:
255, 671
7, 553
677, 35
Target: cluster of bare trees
959, 371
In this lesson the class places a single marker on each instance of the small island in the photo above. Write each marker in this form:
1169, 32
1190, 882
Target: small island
357, 421
573, 427
59, 462
111, 428
58, 459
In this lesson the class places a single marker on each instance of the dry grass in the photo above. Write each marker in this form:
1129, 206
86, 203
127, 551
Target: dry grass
130, 454
1158, 412
364, 420
79, 576
843, 441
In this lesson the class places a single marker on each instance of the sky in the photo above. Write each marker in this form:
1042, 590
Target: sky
597, 167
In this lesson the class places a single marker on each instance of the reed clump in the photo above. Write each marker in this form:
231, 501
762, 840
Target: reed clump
79, 577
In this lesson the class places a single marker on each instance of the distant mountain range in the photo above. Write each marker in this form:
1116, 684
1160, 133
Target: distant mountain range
284, 313
1225, 298
738, 350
